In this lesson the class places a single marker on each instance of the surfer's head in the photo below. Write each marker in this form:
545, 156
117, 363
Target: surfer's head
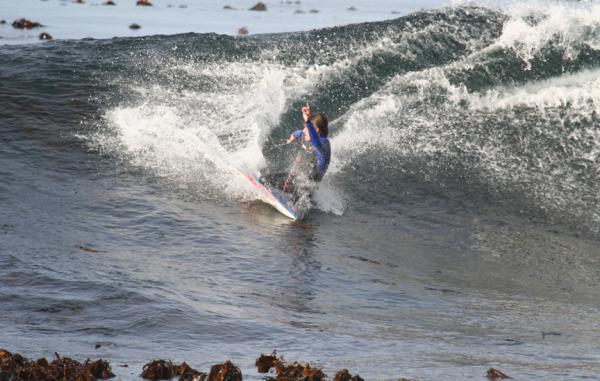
319, 120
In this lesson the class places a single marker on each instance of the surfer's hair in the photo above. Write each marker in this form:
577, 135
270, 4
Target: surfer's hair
319, 120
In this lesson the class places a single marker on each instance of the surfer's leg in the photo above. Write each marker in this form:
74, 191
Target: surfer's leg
278, 180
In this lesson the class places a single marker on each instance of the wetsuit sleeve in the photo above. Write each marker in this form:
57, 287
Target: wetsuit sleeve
297, 134
314, 138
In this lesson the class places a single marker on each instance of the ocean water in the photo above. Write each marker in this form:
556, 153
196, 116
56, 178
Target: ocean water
457, 229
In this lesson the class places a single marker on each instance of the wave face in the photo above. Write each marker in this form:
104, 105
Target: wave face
488, 106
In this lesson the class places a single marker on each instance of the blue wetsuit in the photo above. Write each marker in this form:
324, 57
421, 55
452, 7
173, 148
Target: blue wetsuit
320, 148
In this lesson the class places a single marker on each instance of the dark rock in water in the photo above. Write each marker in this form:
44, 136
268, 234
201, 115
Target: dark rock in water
351, 9
25, 24
2, 21
299, 12
243, 31
144, 3
297, 2
109, 2
183, 6
314, 11
225, 372
45, 36
495, 374
344, 375
228, 8
259, 7
78, 1
395, 12
134, 26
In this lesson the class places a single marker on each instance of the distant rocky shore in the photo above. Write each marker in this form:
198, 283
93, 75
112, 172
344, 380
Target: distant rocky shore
242, 30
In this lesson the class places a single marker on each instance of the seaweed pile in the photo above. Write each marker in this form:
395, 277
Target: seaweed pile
14, 367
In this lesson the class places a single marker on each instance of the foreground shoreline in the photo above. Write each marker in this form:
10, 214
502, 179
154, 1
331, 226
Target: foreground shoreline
15, 367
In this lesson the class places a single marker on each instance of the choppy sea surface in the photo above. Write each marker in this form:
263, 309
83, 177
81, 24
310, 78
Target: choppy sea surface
457, 229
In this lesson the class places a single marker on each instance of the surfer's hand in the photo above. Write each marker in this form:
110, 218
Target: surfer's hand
305, 113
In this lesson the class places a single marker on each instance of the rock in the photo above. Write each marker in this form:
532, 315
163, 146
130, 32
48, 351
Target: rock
134, 26
313, 11
344, 375
351, 9
25, 24
45, 36
183, 6
299, 12
109, 2
144, 3
259, 7
225, 372
243, 31
78, 1
229, 8
395, 12
2, 21
495, 374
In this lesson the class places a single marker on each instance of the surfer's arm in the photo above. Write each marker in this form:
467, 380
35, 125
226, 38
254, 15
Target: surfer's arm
314, 137
295, 135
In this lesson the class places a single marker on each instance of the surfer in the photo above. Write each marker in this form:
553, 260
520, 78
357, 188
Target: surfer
319, 151
311, 162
